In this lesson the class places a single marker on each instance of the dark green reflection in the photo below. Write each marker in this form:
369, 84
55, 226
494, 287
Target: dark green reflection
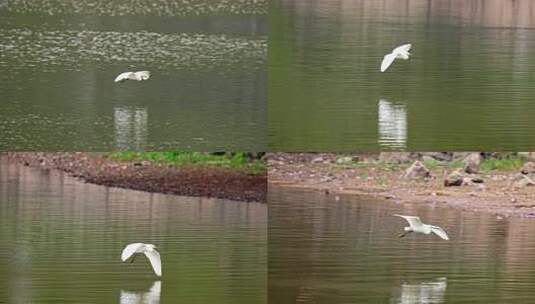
469, 84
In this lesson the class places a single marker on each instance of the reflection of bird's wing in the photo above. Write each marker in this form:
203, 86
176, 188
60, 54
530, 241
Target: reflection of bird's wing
153, 296
414, 221
142, 75
129, 250
440, 232
154, 258
402, 49
129, 298
123, 76
387, 61
385, 111
149, 297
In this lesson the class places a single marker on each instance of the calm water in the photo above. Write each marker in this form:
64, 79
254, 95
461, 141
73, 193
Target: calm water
469, 84
62, 239
348, 251
207, 90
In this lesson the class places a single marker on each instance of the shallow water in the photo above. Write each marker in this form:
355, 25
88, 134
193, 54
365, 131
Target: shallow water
207, 89
348, 251
468, 85
62, 239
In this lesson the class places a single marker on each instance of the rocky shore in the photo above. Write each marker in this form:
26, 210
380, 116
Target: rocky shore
499, 183
202, 181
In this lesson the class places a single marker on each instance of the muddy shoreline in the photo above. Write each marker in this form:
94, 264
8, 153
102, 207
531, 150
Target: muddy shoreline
367, 177
96, 168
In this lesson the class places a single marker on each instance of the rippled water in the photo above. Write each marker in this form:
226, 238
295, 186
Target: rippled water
62, 239
137, 7
468, 85
323, 250
207, 90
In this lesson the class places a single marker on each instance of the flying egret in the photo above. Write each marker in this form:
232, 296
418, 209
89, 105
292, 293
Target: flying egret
148, 250
401, 52
141, 75
416, 225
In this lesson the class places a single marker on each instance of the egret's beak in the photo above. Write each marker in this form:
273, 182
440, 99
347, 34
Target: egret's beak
402, 235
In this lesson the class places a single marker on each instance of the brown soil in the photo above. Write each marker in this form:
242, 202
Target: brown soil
146, 176
369, 178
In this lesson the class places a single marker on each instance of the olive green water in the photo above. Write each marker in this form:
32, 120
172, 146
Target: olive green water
468, 86
323, 250
62, 239
59, 58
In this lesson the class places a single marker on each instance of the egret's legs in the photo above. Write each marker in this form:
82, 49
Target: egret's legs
404, 234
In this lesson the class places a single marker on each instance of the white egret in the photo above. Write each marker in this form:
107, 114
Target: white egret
401, 52
416, 225
148, 250
141, 75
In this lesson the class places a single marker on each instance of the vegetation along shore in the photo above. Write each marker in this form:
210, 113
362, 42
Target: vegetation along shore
500, 183
233, 176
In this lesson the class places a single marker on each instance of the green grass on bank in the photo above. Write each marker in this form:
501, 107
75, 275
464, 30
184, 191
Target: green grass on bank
506, 164
236, 161
432, 164
510, 163
487, 165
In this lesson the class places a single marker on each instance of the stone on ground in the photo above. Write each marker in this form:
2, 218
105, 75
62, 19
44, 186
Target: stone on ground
528, 168
455, 178
521, 181
417, 171
396, 157
472, 162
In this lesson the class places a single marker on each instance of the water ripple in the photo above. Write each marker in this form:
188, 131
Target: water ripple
73, 49
136, 7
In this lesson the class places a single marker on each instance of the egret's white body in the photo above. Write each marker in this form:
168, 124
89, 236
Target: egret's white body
148, 250
141, 75
401, 52
416, 225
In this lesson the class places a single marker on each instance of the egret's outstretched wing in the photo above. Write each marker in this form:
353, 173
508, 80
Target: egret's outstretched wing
129, 250
154, 258
414, 221
440, 232
123, 76
387, 61
143, 75
402, 49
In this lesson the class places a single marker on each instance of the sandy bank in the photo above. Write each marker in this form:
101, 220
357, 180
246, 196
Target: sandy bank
152, 177
364, 174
